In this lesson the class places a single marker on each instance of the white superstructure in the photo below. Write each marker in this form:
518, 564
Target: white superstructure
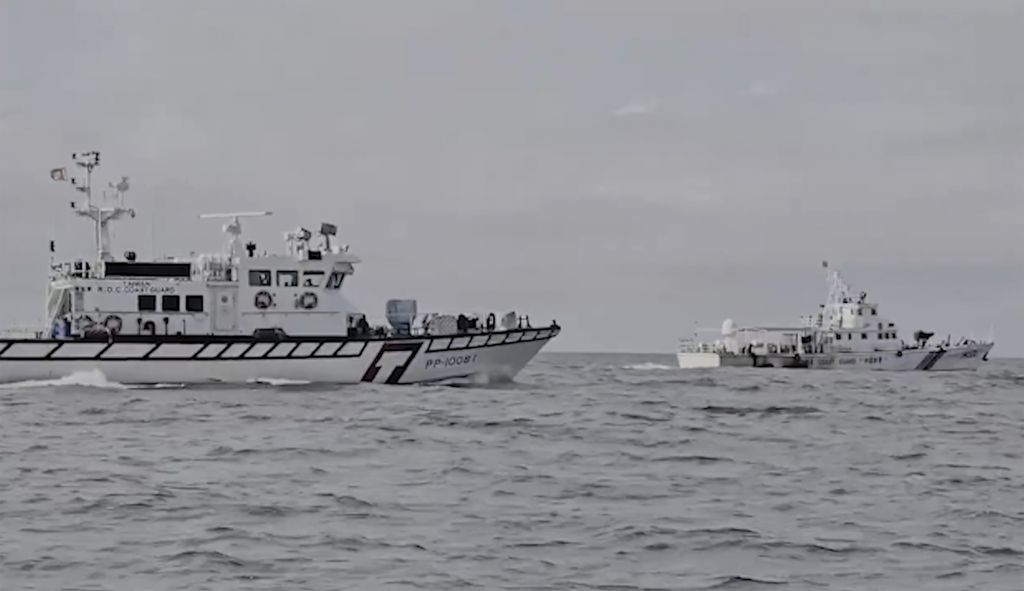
243, 314
847, 332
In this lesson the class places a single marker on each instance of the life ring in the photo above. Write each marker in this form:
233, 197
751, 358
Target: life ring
113, 324
899, 353
492, 321
263, 300
308, 300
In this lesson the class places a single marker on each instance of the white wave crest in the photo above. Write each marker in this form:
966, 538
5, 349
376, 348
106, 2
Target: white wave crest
87, 379
647, 366
278, 382
159, 386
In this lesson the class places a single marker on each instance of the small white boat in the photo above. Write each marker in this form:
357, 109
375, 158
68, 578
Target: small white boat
239, 315
847, 333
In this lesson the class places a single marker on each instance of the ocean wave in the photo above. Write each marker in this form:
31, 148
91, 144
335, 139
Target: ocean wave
724, 531
692, 459
909, 456
209, 558
816, 547
930, 547
347, 501
741, 582
763, 411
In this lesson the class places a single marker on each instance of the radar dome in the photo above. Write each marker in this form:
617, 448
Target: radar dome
728, 327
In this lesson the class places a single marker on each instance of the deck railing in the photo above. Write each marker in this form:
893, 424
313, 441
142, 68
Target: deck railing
687, 346
21, 332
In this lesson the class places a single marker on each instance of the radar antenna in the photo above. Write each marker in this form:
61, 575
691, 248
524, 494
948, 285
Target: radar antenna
234, 227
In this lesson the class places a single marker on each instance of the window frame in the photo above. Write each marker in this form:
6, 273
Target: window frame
335, 280
319, 276
146, 297
170, 297
189, 307
258, 274
286, 273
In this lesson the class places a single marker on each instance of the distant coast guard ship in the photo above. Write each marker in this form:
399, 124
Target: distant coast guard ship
847, 333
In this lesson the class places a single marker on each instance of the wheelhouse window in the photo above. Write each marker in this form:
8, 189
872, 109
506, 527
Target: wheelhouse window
259, 278
147, 303
194, 303
170, 303
312, 278
287, 278
335, 280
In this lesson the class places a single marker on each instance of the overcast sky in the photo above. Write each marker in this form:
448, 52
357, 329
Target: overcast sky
631, 168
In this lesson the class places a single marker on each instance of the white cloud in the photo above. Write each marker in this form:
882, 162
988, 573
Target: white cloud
637, 106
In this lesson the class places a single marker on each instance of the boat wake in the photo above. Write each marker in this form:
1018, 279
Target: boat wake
85, 379
82, 379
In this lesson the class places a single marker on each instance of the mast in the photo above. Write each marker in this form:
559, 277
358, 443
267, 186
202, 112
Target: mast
101, 214
838, 294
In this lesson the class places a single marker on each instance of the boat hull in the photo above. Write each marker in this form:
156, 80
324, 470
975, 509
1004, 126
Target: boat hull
494, 356
955, 358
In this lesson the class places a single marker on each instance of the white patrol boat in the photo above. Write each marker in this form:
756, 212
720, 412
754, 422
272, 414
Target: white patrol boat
847, 333
239, 316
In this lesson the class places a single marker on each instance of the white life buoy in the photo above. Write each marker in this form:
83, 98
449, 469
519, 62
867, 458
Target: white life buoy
263, 300
113, 324
308, 300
